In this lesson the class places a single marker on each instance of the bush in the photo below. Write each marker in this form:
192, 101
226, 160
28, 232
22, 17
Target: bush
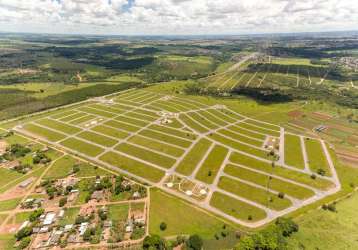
62, 202
195, 242
24, 243
36, 214
332, 207
287, 226
154, 242
321, 172
24, 232
281, 195
163, 226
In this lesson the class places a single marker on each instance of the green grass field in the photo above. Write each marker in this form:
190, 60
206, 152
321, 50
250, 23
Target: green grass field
212, 164
180, 217
69, 216
293, 151
188, 164
236, 208
279, 171
316, 158
82, 147
118, 212
321, 229
149, 156
260, 196
132, 166
9, 204
59, 126
43, 132
61, 168
97, 138
265, 181
155, 145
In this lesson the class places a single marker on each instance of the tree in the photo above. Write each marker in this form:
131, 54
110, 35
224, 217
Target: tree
195, 242
287, 226
163, 226
24, 242
154, 242
62, 202
24, 232
36, 214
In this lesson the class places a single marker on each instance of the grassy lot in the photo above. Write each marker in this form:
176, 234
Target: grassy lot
274, 183
166, 138
118, 212
155, 145
212, 164
192, 124
221, 115
96, 112
146, 155
236, 208
21, 217
241, 138
140, 116
240, 146
82, 119
247, 132
15, 138
7, 176
316, 157
121, 125
132, 166
110, 131
72, 117
7, 241
188, 164
212, 118
202, 121
132, 121
87, 170
69, 216
59, 126
9, 204
258, 129
321, 229
180, 217
63, 114
46, 133
293, 151
61, 168
97, 138
82, 147
263, 125
82, 186
185, 135
280, 171
260, 196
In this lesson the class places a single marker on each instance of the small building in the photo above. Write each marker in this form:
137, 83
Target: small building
26, 183
83, 228
107, 223
136, 195
49, 219
61, 213
129, 226
97, 195
43, 230
68, 227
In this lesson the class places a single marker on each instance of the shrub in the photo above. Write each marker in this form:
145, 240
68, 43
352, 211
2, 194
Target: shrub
163, 226
195, 242
281, 195
24, 242
62, 202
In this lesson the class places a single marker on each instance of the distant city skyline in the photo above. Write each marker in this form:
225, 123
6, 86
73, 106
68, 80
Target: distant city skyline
177, 17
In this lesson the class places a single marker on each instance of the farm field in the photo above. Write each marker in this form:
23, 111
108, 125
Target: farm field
215, 154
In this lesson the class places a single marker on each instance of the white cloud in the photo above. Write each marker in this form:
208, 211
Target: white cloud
177, 16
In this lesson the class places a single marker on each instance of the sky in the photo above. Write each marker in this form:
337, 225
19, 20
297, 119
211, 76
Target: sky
177, 17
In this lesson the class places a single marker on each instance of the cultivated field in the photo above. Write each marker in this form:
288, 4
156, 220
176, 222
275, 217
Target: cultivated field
245, 170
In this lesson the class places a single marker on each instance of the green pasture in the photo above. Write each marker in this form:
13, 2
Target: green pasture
58, 126
280, 171
6, 205
121, 125
210, 167
70, 216
193, 124
82, 147
265, 181
166, 138
190, 161
43, 132
97, 138
135, 167
171, 131
61, 167
102, 129
155, 145
146, 155
293, 151
240, 138
316, 157
247, 132
236, 208
181, 217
